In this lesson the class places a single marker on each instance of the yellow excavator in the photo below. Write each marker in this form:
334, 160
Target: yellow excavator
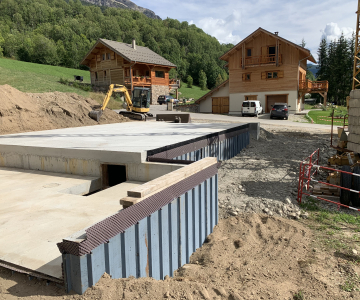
136, 108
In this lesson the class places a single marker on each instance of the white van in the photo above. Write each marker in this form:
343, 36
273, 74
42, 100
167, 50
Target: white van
251, 108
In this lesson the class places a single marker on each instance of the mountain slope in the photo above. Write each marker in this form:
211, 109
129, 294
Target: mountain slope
124, 4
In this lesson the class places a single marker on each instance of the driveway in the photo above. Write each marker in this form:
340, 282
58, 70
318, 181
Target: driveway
262, 119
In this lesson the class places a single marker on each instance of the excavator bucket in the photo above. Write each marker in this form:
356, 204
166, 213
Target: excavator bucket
95, 115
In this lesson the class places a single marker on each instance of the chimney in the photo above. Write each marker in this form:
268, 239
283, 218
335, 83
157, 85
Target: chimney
276, 32
134, 44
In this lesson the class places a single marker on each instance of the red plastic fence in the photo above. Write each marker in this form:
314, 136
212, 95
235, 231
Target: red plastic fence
310, 167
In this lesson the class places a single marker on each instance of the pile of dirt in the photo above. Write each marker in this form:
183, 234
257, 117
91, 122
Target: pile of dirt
246, 257
22, 112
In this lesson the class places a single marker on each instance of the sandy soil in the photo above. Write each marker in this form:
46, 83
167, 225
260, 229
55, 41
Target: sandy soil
22, 112
262, 247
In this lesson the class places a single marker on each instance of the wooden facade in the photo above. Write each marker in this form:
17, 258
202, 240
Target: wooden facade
269, 67
269, 55
108, 66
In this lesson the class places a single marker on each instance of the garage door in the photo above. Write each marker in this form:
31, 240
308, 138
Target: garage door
220, 105
272, 99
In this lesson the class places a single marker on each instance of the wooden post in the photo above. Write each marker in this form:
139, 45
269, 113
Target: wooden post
356, 71
177, 94
131, 79
243, 56
325, 98
277, 52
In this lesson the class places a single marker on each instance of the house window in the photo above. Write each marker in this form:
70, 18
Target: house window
160, 74
104, 74
251, 97
108, 56
271, 50
103, 57
246, 77
96, 76
147, 73
248, 52
272, 75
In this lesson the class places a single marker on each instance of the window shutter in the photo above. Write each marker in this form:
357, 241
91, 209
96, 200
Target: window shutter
98, 57
112, 55
243, 77
263, 75
280, 74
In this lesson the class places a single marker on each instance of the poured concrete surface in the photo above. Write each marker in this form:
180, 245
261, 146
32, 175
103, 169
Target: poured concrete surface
106, 142
39, 209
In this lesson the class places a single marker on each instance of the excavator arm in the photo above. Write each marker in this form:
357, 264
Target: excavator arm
95, 115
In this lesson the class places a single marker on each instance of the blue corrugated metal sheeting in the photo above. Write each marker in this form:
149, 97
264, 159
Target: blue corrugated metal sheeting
222, 150
156, 246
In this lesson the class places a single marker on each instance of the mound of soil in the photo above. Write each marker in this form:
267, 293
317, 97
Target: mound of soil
247, 257
21, 112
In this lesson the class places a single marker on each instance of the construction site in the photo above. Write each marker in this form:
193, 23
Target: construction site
149, 202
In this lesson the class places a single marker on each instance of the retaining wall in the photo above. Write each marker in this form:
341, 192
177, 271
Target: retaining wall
223, 146
156, 236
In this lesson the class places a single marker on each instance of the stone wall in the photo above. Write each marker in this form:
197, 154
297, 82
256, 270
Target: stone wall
354, 122
157, 90
193, 108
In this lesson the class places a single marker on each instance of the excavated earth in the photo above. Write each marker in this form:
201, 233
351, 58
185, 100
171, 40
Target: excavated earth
22, 112
262, 247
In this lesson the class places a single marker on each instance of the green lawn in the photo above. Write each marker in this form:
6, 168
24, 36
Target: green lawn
195, 92
36, 78
324, 117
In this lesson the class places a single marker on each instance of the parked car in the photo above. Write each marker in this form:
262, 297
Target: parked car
163, 99
280, 110
251, 108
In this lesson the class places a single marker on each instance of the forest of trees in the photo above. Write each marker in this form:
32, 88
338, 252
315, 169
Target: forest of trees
336, 66
59, 32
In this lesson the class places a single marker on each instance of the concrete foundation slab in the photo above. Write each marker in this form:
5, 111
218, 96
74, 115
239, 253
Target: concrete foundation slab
38, 209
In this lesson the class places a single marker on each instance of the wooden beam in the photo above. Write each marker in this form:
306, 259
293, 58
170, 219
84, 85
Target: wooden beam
167, 180
277, 52
243, 56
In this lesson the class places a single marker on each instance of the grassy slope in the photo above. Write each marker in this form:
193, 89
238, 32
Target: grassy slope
36, 78
317, 115
195, 92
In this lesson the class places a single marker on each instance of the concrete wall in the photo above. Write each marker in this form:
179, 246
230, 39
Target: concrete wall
236, 100
354, 122
145, 171
157, 90
206, 105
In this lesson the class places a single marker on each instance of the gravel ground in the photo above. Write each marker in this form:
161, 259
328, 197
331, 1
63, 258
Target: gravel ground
263, 178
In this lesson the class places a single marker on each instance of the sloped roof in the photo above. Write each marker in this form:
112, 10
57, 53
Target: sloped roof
259, 30
212, 91
141, 54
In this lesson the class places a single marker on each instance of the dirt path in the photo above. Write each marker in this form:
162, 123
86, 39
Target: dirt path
262, 248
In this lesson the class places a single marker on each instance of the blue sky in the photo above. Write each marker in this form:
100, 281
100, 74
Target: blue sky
233, 20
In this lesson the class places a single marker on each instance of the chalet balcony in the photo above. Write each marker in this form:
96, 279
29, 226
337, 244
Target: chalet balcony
174, 83
254, 61
308, 86
138, 81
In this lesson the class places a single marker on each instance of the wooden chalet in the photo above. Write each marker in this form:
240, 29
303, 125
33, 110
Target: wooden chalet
264, 67
130, 65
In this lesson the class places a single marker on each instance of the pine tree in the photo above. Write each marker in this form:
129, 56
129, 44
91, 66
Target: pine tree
189, 81
219, 80
323, 60
202, 80
303, 43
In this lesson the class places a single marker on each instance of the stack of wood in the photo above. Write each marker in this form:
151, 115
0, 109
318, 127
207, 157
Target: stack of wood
322, 189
